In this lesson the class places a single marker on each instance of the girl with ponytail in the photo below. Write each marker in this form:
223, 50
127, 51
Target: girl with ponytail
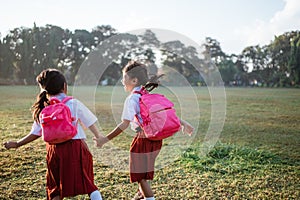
143, 151
69, 164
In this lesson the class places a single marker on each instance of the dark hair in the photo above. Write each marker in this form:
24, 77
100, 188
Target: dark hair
138, 70
52, 82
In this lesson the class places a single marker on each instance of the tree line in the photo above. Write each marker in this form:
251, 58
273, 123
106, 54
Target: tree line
24, 52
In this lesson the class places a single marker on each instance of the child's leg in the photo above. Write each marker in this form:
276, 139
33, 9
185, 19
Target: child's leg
146, 188
95, 195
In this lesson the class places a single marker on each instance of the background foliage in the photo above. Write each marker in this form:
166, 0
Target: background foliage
24, 52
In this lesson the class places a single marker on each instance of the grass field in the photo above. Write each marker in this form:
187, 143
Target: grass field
257, 155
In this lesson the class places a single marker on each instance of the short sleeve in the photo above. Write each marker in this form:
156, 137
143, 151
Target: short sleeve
36, 129
84, 114
130, 109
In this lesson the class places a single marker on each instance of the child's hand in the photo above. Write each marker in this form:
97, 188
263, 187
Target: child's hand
187, 128
100, 141
10, 144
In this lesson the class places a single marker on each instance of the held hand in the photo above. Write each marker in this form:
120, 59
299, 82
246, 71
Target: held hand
10, 144
100, 141
187, 128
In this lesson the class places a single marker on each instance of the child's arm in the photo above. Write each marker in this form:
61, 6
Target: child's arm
25, 140
187, 128
119, 129
114, 133
99, 138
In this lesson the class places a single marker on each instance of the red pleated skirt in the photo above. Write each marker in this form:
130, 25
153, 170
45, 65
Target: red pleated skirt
143, 153
70, 169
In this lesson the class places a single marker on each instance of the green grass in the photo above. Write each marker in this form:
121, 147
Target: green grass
257, 155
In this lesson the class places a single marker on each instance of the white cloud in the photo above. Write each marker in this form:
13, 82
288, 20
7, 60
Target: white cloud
263, 32
288, 18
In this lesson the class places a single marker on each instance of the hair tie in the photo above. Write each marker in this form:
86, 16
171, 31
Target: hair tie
43, 90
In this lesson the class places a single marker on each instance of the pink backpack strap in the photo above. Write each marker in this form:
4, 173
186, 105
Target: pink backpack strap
67, 99
142, 91
54, 100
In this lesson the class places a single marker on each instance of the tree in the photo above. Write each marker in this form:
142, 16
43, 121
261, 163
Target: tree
80, 47
184, 60
20, 42
228, 71
280, 52
6, 60
213, 48
101, 33
149, 39
255, 60
50, 48
294, 61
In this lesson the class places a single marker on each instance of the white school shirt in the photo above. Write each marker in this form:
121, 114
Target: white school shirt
78, 110
132, 108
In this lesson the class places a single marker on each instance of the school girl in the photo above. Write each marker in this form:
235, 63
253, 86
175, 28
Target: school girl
69, 164
143, 151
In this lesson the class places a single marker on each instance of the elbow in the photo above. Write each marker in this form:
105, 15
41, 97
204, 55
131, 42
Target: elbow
124, 125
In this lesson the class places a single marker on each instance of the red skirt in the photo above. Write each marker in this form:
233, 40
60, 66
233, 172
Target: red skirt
70, 169
143, 153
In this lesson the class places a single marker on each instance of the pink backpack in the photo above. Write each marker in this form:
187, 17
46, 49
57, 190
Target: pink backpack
159, 117
56, 122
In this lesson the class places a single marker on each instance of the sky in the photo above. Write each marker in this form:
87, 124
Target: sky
235, 24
